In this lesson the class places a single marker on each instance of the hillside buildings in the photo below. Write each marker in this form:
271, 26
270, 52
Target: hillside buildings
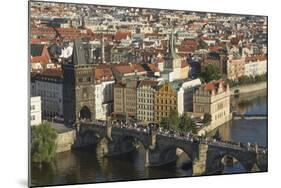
94, 62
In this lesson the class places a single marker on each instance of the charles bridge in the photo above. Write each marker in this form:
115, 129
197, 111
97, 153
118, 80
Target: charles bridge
160, 148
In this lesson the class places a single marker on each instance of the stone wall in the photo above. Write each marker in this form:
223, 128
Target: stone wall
214, 124
65, 140
249, 88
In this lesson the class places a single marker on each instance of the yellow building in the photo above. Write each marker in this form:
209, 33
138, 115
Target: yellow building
165, 101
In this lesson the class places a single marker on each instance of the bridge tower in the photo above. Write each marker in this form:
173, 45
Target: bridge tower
78, 87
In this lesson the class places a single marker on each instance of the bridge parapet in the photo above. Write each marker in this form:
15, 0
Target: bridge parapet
161, 147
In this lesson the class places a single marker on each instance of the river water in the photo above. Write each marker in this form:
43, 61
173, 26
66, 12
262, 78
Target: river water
84, 166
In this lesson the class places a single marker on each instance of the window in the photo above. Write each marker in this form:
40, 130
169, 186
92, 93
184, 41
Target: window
33, 117
32, 107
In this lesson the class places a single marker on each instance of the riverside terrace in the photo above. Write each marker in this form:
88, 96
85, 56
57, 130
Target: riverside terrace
160, 147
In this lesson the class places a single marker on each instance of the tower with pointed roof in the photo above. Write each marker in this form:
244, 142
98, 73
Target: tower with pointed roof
78, 87
172, 59
173, 62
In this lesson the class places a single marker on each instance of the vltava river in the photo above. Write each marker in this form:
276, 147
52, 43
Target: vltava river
85, 166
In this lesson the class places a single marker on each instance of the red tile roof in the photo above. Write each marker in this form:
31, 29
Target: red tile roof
103, 74
40, 59
214, 85
256, 58
129, 68
121, 35
58, 72
153, 67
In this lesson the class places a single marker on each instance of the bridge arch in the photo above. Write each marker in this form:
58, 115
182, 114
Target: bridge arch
87, 138
134, 140
172, 153
229, 161
246, 159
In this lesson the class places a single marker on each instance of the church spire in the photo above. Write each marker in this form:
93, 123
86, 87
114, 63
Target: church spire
172, 51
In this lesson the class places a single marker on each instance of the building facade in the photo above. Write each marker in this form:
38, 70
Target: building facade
145, 100
49, 85
235, 68
189, 88
255, 65
165, 101
104, 88
79, 87
214, 99
35, 111
125, 98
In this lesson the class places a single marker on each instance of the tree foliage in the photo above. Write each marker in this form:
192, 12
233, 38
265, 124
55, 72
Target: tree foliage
187, 124
43, 143
207, 118
180, 124
202, 45
210, 72
246, 80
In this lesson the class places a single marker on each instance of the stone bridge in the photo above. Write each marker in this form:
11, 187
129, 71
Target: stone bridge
207, 156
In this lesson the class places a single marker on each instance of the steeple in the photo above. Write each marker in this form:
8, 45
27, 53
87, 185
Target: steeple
172, 52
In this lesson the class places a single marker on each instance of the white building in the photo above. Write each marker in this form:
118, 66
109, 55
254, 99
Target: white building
145, 100
185, 91
255, 65
189, 88
104, 89
49, 85
35, 110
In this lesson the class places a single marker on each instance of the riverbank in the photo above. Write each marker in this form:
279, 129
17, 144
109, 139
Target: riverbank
241, 89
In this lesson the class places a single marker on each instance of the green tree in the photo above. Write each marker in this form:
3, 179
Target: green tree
210, 72
207, 118
187, 124
43, 143
174, 119
171, 122
164, 122
202, 45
